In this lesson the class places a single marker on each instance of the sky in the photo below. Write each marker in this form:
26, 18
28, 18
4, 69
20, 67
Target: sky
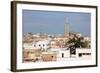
53, 22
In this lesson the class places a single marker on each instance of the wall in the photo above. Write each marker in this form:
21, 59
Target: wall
5, 37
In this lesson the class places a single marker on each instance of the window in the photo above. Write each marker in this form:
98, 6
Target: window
62, 55
86, 53
48, 44
80, 54
39, 45
51, 56
43, 44
73, 51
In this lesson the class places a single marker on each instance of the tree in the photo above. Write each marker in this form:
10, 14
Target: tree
85, 44
78, 42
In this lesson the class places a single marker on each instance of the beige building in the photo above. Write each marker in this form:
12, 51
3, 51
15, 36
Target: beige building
49, 56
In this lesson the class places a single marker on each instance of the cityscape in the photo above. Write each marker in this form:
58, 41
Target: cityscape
44, 47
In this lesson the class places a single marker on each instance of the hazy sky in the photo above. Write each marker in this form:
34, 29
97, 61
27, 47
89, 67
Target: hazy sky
52, 22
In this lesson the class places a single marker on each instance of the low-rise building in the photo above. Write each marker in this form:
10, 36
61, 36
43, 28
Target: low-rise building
61, 52
49, 56
83, 53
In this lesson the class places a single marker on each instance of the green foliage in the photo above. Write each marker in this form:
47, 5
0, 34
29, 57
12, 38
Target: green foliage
78, 42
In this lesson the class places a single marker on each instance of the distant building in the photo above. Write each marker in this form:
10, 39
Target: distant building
86, 38
78, 35
43, 45
49, 56
66, 28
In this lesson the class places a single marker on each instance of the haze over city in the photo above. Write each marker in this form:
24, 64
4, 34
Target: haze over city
52, 22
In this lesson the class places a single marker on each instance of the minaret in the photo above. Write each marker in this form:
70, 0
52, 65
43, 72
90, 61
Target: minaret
66, 27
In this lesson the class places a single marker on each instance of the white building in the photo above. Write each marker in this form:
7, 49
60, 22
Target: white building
28, 46
83, 53
61, 52
86, 38
43, 45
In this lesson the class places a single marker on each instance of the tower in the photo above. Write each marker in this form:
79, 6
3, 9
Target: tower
66, 27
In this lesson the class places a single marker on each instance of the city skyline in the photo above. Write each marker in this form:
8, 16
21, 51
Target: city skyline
52, 22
